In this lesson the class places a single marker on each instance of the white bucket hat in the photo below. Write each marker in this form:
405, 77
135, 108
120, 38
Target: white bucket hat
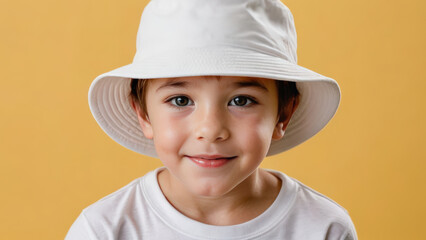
176, 38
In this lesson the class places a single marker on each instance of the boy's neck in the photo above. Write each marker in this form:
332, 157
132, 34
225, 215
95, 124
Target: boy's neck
246, 201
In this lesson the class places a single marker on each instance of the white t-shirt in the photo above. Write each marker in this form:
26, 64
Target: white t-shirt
140, 211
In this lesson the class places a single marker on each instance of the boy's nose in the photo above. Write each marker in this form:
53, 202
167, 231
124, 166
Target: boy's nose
210, 125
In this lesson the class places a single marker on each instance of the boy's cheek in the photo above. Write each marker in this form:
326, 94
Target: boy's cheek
168, 132
253, 134
166, 129
258, 125
255, 139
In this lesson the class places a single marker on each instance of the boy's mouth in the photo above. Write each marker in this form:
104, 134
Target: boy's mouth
210, 161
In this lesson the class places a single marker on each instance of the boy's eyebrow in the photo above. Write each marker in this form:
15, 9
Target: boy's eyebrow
172, 83
252, 83
183, 84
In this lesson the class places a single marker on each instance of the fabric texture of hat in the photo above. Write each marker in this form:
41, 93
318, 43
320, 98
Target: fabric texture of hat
178, 38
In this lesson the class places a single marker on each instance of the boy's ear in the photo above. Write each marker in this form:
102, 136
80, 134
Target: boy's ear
280, 127
143, 120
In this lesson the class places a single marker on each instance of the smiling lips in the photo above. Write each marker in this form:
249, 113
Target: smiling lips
210, 161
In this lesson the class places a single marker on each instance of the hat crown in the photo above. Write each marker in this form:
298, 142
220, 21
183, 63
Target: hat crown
169, 26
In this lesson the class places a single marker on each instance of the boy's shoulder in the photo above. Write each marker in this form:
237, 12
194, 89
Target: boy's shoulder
314, 209
311, 195
112, 215
119, 200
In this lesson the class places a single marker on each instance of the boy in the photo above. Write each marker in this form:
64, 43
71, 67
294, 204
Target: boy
211, 92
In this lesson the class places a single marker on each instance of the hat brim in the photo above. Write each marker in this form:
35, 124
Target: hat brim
109, 92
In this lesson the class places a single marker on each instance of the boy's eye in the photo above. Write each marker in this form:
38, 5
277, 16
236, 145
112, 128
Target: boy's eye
241, 101
180, 101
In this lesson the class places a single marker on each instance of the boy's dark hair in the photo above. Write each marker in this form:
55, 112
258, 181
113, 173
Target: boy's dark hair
287, 94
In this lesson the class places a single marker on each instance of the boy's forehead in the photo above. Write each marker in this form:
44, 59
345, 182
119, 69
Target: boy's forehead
213, 77
234, 81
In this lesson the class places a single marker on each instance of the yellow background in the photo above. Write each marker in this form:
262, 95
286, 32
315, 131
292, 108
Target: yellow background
55, 160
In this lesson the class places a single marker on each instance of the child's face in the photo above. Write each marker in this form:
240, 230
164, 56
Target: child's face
232, 118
